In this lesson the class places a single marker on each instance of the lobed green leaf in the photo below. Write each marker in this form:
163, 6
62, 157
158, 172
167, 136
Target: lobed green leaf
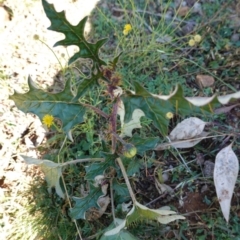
74, 35
60, 105
85, 203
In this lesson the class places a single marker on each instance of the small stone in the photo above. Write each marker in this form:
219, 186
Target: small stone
187, 28
208, 168
235, 37
205, 81
183, 11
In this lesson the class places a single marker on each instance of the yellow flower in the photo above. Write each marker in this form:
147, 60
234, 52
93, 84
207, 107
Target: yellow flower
48, 120
127, 29
191, 43
169, 115
197, 38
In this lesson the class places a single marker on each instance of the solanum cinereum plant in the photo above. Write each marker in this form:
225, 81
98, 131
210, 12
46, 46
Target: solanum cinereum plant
68, 107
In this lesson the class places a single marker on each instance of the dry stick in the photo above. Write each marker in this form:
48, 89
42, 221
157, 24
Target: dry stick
119, 160
97, 110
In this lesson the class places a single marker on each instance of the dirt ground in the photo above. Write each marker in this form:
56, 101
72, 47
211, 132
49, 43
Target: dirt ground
22, 56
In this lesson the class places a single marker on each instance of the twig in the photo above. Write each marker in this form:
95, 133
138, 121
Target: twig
119, 160
97, 110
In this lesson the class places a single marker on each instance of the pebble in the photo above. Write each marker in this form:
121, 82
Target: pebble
204, 81
235, 37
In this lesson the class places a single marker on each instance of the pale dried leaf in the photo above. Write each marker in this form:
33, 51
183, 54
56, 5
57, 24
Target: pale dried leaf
226, 98
52, 172
162, 188
187, 129
201, 101
225, 176
127, 128
116, 230
171, 218
188, 143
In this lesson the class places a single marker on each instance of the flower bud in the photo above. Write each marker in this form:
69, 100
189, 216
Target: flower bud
129, 150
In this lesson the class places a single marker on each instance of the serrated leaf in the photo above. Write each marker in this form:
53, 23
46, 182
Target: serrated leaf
225, 175
85, 203
59, 105
87, 84
52, 172
121, 235
114, 229
74, 35
183, 106
134, 167
187, 129
140, 213
144, 144
153, 107
121, 193
96, 169
202, 101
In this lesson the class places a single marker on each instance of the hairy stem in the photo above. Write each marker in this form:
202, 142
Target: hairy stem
113, 122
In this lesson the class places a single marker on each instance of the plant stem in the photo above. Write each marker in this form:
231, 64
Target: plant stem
83, 160
97, 110
112, 201
113, 122
65, 188
118, 138
119, 160
52, 52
